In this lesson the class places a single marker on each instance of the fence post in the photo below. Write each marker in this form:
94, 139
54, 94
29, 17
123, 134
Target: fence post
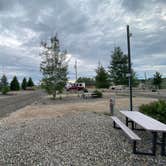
112, 100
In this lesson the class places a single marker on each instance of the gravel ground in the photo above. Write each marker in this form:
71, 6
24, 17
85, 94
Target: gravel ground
74, 139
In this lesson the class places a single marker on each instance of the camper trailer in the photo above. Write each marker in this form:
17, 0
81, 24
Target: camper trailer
75, 86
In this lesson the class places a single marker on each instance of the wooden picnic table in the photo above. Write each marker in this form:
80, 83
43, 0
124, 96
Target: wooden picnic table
149, 124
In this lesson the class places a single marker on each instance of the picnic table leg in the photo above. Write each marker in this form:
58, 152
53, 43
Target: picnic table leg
154, 142
163, 144
127, 121
132, 124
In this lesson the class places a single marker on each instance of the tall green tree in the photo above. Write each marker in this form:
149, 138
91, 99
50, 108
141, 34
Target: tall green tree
53, 67
24, 84
14, 85
4, 87
30, 82
157, 80
118, 68
102, 77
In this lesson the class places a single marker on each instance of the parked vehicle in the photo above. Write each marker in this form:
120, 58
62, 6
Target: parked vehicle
75, 86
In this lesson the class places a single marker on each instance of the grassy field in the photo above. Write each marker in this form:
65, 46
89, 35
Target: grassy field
76, 105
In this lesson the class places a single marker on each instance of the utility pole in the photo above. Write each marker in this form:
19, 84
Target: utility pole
75, 66
145, 81
129, 67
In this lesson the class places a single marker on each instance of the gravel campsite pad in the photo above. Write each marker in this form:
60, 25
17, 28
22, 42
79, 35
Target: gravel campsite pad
84, 138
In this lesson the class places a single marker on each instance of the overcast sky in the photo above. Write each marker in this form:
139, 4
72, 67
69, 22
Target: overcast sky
87, 29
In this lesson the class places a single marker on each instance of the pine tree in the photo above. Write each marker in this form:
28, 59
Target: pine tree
102, 78
24, 84
14, 85
118, 68
157, 80
53, 67
4, 85
30, 82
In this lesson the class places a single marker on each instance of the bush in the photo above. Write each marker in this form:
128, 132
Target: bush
5, 90
156, 110
85, 90
97, 94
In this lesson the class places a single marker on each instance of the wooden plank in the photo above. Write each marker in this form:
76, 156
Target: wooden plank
128, 131
145, 121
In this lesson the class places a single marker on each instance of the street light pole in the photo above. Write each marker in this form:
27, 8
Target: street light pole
129, 67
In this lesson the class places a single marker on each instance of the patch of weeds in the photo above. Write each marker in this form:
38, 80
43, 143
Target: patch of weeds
98, 113
102, 113
107, 113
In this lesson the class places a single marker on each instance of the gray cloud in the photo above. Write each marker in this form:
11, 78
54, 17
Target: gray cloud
89, 30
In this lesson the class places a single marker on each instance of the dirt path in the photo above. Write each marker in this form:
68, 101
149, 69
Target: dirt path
13, 103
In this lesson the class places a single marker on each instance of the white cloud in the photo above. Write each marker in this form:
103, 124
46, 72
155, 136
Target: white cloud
9, 42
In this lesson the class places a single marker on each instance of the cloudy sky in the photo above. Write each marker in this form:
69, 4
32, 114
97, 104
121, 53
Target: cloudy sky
88, 29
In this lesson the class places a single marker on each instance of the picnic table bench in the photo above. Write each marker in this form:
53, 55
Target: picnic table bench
86, 95
89, 95
148, 124
128, 131
134, 137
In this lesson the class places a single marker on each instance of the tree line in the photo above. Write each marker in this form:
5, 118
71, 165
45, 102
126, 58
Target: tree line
54, 67
115, 74
14, 85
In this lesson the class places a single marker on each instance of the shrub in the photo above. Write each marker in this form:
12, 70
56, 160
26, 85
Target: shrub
155, 109
97, 94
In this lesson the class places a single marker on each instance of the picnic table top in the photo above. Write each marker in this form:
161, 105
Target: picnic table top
145, 121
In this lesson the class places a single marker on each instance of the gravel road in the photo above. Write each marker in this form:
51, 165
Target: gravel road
84, 139
12, 103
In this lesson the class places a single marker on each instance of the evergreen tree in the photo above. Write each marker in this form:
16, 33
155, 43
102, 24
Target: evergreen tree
118, 68
14, 85
102, 78
30, 82
24, 84
53, 67
157, 80
4, 85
